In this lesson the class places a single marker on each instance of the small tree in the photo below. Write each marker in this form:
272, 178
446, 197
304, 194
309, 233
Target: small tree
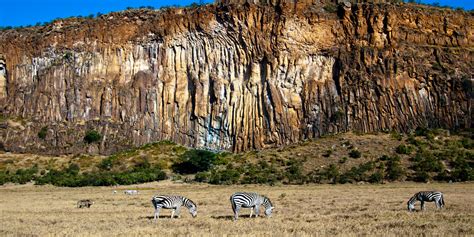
394, 170
43, 132
193, 161
355, 154
92, 136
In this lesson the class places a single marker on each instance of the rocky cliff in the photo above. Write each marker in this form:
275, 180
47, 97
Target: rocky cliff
234, 76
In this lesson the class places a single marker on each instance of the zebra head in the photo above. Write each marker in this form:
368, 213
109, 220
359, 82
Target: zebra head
268, 207
192, 208
410, 206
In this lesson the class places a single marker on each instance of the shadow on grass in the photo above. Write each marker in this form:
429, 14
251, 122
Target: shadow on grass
230, 217
152, 217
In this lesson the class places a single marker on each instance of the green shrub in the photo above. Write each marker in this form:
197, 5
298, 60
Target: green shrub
355, 154
92, 136
43, 132
394, 170
202, 177
467, 143
343, 160
331, 173
260, 173
72, 169
421, 176
462, 169
327, 153
193, 161
337, 116
70, 177
294, 172
23, 176
357, 174
384, 158
226, 176
426, 161
331, 8
396, 135
4, 177
422, 131
403, 149
376, 177
107, 163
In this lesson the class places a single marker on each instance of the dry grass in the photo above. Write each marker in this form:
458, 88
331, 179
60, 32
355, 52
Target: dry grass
300, 211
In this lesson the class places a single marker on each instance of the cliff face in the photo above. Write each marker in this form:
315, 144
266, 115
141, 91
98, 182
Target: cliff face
234, 77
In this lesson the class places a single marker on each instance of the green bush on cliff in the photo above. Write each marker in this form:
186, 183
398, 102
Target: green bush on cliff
92, 136
43, 132
355, 154
404, 149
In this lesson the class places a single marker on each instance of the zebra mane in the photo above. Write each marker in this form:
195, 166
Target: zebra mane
267, 200
188, 202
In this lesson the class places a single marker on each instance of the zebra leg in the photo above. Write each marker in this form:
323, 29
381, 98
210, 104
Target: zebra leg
157, 213
251, 212
178, 210
422, 205
172, 213
257, 210
236, 213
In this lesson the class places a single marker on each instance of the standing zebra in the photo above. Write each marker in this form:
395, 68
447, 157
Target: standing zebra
173, 202
84, 203
250, 200
426, 196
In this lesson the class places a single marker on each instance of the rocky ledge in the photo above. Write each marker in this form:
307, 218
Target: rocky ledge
234, 76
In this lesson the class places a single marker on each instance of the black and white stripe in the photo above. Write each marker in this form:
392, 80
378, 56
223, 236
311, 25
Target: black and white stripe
250, 200
173, 202
426, 196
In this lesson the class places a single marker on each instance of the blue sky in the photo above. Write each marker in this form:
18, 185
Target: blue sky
29, 12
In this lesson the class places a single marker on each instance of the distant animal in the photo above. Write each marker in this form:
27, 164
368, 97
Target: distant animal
250, 200
131, 192
426, 196
172, 202
84, 203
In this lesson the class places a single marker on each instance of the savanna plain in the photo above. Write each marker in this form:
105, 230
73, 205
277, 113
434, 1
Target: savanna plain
300, 210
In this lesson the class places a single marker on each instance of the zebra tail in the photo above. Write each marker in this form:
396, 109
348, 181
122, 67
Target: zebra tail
442, 200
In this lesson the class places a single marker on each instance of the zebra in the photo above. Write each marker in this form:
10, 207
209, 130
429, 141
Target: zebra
426, 196
131, 192
84, 203
173, 202
250, 200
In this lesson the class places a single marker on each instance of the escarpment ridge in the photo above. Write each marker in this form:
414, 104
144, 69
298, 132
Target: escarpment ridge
234, 76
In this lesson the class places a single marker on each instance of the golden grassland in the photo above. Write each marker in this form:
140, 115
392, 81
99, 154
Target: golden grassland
306, 210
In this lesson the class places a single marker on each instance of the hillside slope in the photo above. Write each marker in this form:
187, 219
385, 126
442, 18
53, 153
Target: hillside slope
422, 156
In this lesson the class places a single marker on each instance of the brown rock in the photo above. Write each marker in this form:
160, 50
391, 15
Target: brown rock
235, 77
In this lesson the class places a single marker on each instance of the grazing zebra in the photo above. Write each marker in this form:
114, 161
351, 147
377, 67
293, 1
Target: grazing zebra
84, 203
426, 196
173, 202
131, 192
250, 200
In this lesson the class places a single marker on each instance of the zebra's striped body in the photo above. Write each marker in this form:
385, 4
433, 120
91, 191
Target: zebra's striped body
131, 192
250, 200
426, 196
173, 202
84, 203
